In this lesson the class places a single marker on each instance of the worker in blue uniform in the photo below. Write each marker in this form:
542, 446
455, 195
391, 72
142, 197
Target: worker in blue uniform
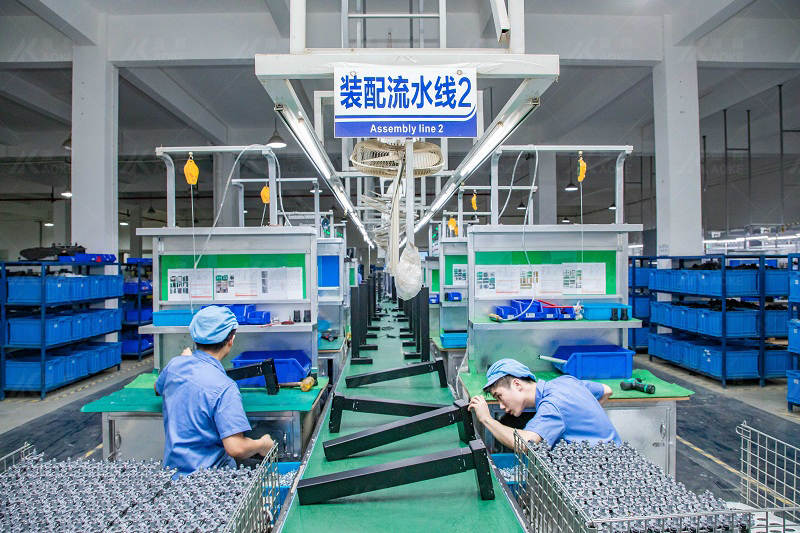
566, 408
204, 419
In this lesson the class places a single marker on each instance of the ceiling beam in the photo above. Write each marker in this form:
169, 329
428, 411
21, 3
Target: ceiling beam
692, 20
7, 137
156, 84
751, 43
29, 95
75, 19
494, 19
279, 9
29, 42
741, 86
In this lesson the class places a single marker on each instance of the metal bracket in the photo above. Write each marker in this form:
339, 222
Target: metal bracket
414, 369
265, 368
458, 413
374, 405
402, 472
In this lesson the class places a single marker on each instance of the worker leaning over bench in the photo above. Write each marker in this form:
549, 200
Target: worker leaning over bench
204, 420
566, 408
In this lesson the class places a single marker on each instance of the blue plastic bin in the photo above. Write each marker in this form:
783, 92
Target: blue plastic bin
740, 323
742, 362
284, 468
95, 359
96, 286
637, 337
794, 336
642, 274
258, 318
595, 362
28, 331
653, 344
776, 323
605, 311
290, 365
658, 311
528, 311
28, 289
505, 311
78, 288
641, 306
793, 392
113, 285
739, 282
776, 282
433, 299
794, 286
145, 315
452, 296
111, 352
172, 317
506, 460
453, 340
23, 372
239, 310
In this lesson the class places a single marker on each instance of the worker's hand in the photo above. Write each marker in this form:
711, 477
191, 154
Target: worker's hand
186, 351
265, 445
479, 406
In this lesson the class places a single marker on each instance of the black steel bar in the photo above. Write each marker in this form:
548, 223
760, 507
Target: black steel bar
342, 447
402, 472
265, 368
357, 327
414, 369
424, 325
378, 406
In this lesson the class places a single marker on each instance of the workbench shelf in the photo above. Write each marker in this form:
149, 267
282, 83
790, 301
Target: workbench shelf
640, 270
734, 341
485, 323
138, 306
46, 324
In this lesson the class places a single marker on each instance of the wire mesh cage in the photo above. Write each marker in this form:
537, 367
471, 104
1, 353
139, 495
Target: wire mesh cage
15, 457
257, 511
769, 496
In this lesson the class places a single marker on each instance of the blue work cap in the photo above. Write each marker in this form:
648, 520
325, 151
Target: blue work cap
507, 367
212, 324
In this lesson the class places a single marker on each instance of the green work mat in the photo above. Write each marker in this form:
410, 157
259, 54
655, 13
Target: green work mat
449, 503
141, 399
334, 345
143, 381
664, 389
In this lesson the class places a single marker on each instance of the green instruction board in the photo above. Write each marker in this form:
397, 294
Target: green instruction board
230, 261
609, 257
435, 280
449, 261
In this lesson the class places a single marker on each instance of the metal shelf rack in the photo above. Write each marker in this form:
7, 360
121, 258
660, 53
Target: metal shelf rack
41, 307
725, 341
639, 270
141, 297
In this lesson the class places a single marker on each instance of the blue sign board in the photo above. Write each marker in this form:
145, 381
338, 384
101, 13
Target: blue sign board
405, 102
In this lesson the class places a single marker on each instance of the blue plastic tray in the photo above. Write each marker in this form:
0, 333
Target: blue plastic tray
28, 289
453, 340
290, 365
258, 318
604, 311
595, 362
172, 317
24, 372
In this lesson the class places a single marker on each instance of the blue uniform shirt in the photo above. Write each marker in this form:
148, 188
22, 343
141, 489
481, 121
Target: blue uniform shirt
567, 408
202, 406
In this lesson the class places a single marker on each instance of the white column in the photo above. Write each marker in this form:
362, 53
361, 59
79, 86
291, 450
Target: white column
95, 84
677, 136
230, 211
546, 197
62, 224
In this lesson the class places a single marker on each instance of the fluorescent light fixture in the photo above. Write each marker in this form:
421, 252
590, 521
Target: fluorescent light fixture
612, 207
67, 145
571, 187
48, 224
67, 194
307, 138
123, 223
244, 211
636, 246
522, 104
276, 141
565, 220
521, 206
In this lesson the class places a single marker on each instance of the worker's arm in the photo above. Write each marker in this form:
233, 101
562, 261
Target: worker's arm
606, 394
240, 447
502, 433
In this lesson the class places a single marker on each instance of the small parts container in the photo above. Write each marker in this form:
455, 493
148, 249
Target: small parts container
290, 365
28, 289
28, 331
173, 317
241, 311
594, 362
505, 311
607, 311
257, 318
433, 299
452, 340
531, 311
452, 296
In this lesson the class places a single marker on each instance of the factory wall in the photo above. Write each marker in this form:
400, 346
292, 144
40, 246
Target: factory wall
16, 235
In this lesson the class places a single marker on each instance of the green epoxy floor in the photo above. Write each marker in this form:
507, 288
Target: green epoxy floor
445, 504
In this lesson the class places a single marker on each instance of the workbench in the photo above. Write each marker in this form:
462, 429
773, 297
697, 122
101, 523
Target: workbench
646, 421
133, 427
335, 351
449, 503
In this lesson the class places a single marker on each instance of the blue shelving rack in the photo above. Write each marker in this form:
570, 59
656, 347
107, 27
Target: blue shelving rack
639, 269
37, 307
143, 298
724, 339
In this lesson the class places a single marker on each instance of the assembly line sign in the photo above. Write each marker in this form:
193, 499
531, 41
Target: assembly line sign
405, 102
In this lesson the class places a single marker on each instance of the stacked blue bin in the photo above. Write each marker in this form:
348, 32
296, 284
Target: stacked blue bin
639, 280
138, 307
